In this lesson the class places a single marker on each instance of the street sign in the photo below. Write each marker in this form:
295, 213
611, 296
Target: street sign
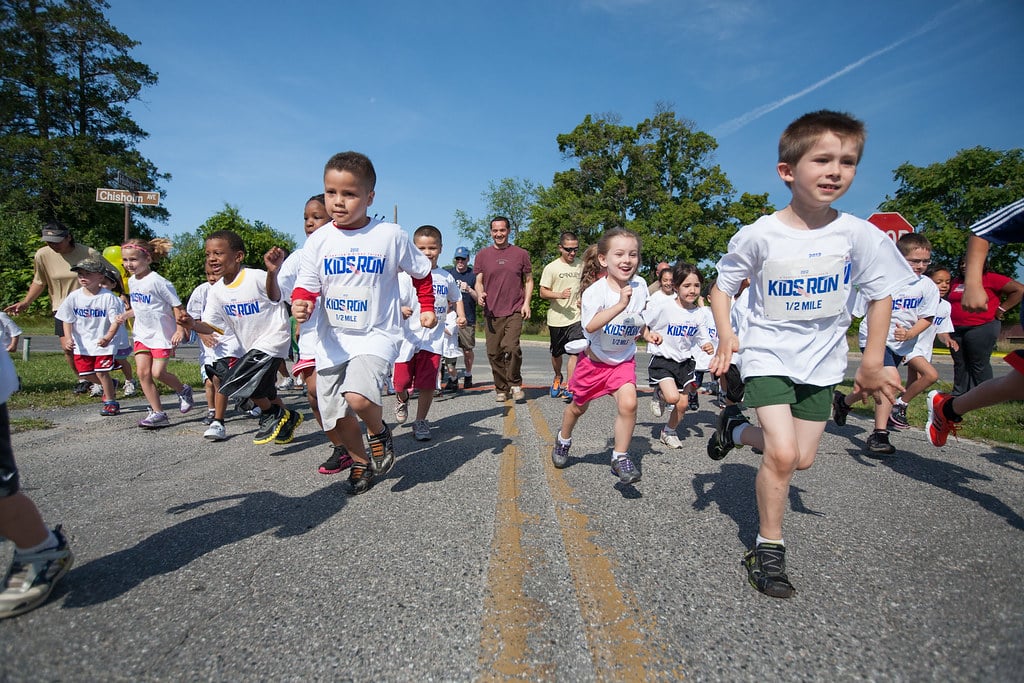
892, 224
112, 196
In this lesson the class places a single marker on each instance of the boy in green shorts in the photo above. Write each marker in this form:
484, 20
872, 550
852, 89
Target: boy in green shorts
802, 262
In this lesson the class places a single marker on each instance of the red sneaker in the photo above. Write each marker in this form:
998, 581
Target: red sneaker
939, 427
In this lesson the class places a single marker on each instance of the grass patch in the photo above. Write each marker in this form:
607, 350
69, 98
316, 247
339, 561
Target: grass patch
1000, 424
47, 382
27, 424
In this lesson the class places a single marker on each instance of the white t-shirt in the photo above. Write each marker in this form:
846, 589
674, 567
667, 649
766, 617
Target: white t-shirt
355, 273
226, 345
8, 329
910, 304
153, 298
926, 340
446, 294
244, 308
683, 330
286, 276
91, 317
451, 336
411, 327
703, 360
658, 298
800, 282
8, 377
614, 343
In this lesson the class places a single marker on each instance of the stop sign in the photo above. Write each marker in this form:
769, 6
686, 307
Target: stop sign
892, 224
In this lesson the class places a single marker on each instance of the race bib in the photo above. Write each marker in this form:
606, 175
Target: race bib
804, 289
349, 308
620, 333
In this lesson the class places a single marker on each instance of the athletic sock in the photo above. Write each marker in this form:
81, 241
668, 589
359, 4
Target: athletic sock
564, 442
50, 542
737, 432
761, 539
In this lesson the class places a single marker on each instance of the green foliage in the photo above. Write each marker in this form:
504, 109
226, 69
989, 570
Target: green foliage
186, 266
944, 199
19, 240
66, 81
509, 197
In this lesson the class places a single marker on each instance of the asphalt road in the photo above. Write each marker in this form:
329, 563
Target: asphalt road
475, 559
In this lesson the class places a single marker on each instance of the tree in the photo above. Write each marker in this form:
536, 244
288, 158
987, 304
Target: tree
656, 179
944, 199
66, 78
509, 197
186, 266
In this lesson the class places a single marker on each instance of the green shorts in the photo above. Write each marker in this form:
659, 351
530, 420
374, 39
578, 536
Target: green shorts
806, 401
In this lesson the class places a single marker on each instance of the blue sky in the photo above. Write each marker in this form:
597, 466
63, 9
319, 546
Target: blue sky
445, 97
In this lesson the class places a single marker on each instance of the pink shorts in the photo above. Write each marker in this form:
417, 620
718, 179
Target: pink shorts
156, 353
86, 365
303, 364
592, 379
419, 372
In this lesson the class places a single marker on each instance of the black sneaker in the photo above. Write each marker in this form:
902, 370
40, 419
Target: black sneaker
360, 478
208, 420
467, 381
270, 425
839, 408
83, 387
766, 570
287, 431
693, 401
560, 454
625, 470
340, 460
382, 452
878, 443
721, 441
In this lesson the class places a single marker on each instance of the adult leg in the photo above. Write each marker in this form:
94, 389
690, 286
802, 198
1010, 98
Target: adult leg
495, 330
513, 351
979, 343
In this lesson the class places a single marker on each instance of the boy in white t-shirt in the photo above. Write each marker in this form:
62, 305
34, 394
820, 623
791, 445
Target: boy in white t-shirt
421, 370
913, 310
349, 272
802, 263
90, 316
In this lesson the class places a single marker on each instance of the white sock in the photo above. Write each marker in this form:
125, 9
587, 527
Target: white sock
761, 539
616, 455
669, 430
737, 432
564, 442
899, 402
50, 542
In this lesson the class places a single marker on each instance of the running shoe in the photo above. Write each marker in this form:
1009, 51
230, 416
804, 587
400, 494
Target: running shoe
898, 417
270, 425
518, 394
32, 577
693, 401
110, 408
285, 384
382, 452
556, 387
766, 570
129, 388
939, 426
467, 381
625, 470
360, 478
155, 420
500, 396
671, 439
401, 412
721, 442
878, 443
839, 408
287, 432
215, 432
95, 390
657, 406
421, 430
185, 399
208, 420
82, 387
560, 454
340, 460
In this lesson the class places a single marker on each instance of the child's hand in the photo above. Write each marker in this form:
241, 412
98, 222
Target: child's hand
708, 348
727, 345
652, 337
67, 343
900, 333
624, 295
878, 383
102, 342
273, 259
428, 319
179, 336
406, 312
301, 310
184, 319
208, 340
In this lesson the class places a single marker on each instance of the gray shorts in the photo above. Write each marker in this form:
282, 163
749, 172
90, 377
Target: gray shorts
363, 375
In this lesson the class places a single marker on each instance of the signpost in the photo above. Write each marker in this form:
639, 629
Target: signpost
892, 224
127, 192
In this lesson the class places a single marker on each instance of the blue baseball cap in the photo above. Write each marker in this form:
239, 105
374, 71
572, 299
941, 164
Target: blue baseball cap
462, 252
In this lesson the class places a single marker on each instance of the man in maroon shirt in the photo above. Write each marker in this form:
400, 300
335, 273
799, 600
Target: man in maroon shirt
504, 285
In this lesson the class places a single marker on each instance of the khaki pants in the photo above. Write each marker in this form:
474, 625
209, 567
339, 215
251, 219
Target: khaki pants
504, 352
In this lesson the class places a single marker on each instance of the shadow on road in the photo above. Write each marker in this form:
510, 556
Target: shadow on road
108, 577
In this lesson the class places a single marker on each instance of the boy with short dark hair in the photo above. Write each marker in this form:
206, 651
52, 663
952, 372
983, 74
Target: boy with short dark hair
913, 310
802, 262
349, 270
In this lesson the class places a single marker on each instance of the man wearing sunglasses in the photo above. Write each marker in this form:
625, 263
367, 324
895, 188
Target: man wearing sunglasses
560, 285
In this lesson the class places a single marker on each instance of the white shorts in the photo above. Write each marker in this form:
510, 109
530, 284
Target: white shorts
363, 375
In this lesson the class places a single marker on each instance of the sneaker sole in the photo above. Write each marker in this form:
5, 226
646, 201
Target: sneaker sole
291, 437
273, 435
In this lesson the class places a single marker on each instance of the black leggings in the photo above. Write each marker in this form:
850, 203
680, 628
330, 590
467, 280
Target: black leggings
972, 364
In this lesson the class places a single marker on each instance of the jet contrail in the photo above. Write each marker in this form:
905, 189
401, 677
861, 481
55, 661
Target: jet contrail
739, 122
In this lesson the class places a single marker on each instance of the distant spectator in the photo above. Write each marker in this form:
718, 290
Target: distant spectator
466, 279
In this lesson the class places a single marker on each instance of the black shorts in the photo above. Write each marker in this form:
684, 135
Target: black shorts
560, 336
58, 325
220, 368
665, 368
253, 376
9, 478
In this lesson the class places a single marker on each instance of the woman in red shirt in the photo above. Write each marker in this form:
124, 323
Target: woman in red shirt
976, 333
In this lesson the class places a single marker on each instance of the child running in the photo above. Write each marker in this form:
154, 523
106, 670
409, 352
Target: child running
674, 330
122, 343
154, 305
91, 315
421, 370
802, 262
349, 273
247, 302
611, 317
